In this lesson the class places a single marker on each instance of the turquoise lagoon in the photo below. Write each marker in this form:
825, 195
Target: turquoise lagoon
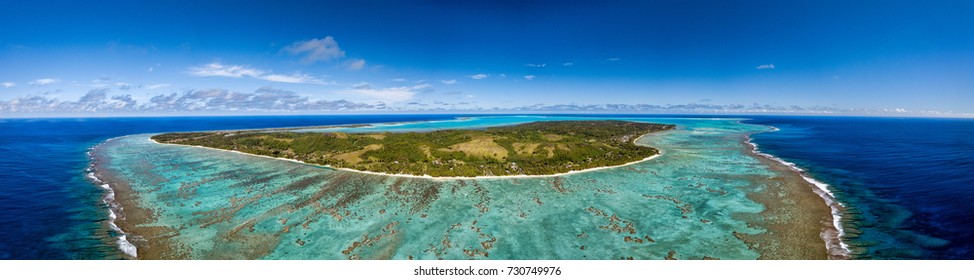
705, 197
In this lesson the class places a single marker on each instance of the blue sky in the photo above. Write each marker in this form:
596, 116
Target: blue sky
184, 57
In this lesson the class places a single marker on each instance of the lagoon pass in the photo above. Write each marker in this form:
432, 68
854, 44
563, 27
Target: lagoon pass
708, 195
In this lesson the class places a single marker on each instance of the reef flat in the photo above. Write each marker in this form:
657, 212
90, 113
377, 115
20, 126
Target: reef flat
537, 148
706, 196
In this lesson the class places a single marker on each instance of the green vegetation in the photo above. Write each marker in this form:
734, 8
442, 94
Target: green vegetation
536, 148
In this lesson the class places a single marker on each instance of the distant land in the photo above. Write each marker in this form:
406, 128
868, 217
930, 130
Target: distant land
537, 148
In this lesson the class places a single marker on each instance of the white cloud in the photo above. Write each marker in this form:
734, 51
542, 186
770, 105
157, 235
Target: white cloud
478, 76
239, 71
399, 80
764, 66
45, 81
356, 64
8, 84
391, 94
324, 49
296, 78
471, 96
265, 99
535, 65
157, 86
529, 77
448, 82
568, 64
217, 69
614, 59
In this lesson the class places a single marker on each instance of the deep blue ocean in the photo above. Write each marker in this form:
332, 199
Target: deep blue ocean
907, 183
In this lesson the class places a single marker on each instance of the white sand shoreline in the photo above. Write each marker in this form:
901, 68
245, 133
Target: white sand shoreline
520, 176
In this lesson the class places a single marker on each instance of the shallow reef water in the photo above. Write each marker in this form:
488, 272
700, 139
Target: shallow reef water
692, 202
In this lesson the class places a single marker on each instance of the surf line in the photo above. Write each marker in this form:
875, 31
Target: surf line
833, 241
114, 208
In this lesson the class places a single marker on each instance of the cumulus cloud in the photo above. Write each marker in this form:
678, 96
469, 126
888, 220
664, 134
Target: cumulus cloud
614, 59
535, 65
324, 49
765, 67
265, 99
356, 64
568, 64
122, 103
529, 77
94, 96
95, 100
448, 82
389, 94
44, 81
217, 69
8, 84
30, 104
478, 76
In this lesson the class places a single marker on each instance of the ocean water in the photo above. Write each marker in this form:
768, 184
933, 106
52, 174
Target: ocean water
904, 184
907, 183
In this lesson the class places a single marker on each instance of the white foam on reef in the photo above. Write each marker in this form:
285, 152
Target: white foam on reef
833, 240
126, 246
114, 209
91, 176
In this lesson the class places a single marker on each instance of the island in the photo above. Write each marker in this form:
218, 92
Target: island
536, 148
